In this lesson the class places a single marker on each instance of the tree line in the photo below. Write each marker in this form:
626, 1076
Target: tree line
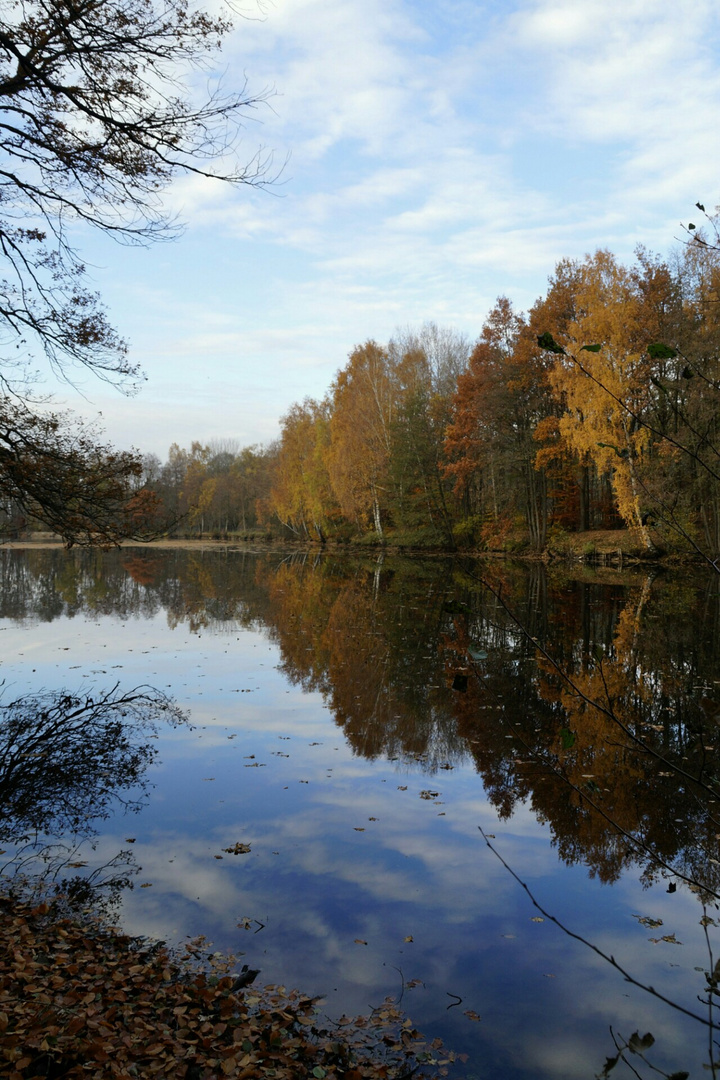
597, 409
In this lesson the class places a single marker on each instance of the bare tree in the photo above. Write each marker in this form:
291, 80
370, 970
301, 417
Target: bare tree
97, 115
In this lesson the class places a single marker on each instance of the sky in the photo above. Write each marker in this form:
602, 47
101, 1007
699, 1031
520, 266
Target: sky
433, 155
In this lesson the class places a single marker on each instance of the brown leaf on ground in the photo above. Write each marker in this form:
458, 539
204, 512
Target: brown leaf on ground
79, 998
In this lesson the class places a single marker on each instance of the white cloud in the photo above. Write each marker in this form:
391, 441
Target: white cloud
440, 155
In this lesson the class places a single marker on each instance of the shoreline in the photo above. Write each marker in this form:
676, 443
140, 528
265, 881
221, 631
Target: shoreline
593, 548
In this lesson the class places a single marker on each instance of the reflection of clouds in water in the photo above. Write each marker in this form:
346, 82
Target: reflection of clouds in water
412, 872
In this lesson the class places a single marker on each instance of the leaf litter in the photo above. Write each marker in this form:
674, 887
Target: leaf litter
78, 998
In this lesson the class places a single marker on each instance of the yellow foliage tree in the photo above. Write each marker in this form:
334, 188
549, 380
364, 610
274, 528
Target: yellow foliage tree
603, 376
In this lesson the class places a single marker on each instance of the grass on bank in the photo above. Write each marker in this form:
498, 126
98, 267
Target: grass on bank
78, 998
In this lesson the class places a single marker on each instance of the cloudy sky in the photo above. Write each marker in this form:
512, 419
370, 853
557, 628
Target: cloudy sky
436, 154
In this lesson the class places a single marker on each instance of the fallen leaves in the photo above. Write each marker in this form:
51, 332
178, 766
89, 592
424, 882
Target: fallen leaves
237, 849
79, 997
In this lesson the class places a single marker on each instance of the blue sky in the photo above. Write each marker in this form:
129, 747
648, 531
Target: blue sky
438, 154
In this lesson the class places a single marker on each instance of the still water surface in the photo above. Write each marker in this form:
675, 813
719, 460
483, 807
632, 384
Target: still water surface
357, 727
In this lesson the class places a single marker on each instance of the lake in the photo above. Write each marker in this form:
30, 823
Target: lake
381, 763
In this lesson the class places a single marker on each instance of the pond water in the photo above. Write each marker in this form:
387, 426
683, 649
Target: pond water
380, 754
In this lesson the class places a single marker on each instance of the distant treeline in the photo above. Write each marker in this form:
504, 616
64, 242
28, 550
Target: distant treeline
597, 409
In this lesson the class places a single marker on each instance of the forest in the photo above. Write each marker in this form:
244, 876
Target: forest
595, 410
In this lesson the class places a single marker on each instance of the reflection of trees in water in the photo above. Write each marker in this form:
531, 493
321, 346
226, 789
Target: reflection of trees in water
67, 761
386, 640
369, 641
622, 720
386, 660
199, 588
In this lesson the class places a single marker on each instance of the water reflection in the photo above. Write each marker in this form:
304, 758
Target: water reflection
604, 680
583, 700
67, 763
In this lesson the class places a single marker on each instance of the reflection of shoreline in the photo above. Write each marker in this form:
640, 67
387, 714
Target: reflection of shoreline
607, 559
421, 664
328, 871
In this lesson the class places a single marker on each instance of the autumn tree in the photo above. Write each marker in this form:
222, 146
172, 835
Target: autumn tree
363, 407
687, 379
97, 115
53, 469
426, 365
609, 370
489, 443
301, 495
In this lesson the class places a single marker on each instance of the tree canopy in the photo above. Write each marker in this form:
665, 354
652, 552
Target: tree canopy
98, 113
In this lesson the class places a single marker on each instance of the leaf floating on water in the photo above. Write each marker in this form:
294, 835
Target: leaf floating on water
359, 828
637, 1043
408, 938
206, 778
402, 787
359, 941
429, 794
645, 920
146, 885
670, 938
471, 1015
237, 849
610, 1064
130, 839
537, 918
